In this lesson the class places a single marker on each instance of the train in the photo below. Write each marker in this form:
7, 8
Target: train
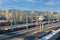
8, 22
4, 22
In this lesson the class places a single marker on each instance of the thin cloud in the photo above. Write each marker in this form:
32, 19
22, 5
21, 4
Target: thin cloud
1, 2
31, 0
14, 0
51, 3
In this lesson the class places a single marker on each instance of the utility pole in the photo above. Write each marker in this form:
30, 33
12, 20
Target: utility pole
11, 21
26, 21
52, 17
41, 24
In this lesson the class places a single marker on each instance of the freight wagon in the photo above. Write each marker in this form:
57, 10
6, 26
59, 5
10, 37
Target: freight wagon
4, 22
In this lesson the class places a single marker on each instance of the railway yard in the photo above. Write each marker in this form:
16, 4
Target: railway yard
28, 34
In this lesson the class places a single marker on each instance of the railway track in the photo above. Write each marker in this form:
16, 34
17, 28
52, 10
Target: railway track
26, 34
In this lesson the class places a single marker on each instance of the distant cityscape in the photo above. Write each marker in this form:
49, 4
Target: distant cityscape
22, 15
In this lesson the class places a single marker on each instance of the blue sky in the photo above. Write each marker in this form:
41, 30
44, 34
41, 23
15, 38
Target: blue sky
40, 5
